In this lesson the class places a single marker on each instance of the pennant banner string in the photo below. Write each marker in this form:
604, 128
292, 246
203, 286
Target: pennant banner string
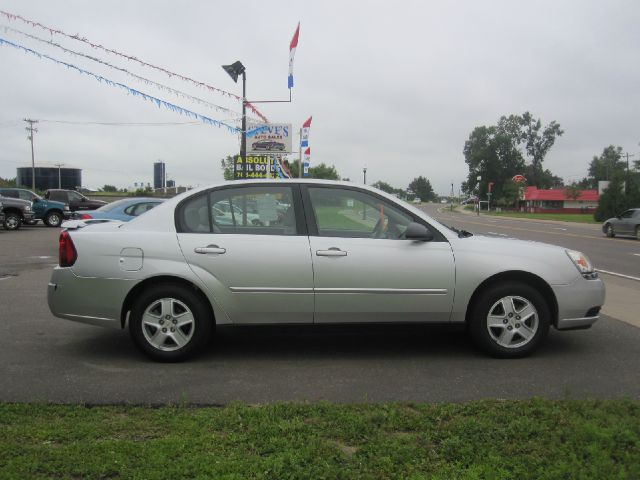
54, 31
136, 93
147, 81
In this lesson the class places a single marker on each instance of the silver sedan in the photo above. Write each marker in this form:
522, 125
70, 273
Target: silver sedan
339, 253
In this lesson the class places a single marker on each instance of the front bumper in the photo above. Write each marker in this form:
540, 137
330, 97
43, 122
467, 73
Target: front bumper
96, 301
579, 303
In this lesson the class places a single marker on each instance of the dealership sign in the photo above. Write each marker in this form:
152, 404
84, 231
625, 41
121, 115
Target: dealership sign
272, 138
261, 166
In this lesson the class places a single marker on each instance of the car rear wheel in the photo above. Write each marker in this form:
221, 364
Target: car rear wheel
53, 219
509, 320
170, 323
609, 230
12, 221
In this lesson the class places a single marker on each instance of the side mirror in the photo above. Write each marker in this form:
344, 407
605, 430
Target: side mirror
416, 231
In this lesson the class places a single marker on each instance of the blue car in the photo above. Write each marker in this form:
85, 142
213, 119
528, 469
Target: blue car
123, 210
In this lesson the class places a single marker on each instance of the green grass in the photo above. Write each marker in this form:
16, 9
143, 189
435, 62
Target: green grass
563, 217
537, 439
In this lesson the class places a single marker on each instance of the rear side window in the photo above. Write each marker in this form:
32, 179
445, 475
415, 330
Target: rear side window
261, 210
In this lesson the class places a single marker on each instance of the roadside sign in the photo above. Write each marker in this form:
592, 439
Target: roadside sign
273, 138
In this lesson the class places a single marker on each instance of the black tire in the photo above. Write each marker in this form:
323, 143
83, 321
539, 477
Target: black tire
12, 221
53, 219
608, 230
165, 348
490, 303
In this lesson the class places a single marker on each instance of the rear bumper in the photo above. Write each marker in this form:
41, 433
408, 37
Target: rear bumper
95, 301
579, 303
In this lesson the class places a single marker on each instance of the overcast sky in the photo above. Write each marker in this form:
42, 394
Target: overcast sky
396, 85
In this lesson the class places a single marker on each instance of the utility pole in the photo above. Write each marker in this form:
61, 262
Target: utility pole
59, 176
452, 194
31, 131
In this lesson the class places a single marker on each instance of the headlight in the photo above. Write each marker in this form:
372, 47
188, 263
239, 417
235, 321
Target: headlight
66, 207
27, 208
581, 261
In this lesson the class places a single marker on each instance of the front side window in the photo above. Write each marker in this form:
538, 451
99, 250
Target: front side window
267, 210
627, 214
24, 195
355, 214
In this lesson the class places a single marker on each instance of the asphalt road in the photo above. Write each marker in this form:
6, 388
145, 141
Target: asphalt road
46, 359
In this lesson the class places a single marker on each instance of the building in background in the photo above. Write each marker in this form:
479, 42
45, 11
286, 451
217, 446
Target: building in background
159, 175
171, 183
557, 200
50, 177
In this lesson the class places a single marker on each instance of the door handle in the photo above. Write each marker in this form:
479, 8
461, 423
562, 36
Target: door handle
332, 252
215, 249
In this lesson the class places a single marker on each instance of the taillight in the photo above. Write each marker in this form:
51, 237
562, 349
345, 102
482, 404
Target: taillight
85, 216
68, 254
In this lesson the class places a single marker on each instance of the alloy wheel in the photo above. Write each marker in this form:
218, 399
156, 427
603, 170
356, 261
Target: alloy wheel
512, 321
168, 324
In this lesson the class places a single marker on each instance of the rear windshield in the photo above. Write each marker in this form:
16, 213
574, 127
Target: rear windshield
113, 205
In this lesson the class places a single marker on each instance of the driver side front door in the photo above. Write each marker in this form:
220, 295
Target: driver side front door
364, 270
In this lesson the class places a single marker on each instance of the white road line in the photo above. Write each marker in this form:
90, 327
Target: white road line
618, 275
636, 254
558, 228
498, 234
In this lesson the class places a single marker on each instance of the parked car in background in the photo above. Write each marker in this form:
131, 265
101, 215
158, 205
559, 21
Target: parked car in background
75, 200
124, 210
627, 223
52, 213
1, 214
16, 212
340, 254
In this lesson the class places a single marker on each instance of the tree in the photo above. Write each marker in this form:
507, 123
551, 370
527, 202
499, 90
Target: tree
497, 152
607, 165
538, 143
612, 201
227, 166
109, 188
320, 171
573, 191
422, 188
492, 153
384, 186
546, 179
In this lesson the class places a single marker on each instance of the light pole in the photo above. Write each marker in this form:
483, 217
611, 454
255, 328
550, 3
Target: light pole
235, 70
364, 173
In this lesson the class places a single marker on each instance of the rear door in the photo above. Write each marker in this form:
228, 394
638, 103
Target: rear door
364, 271
256, 261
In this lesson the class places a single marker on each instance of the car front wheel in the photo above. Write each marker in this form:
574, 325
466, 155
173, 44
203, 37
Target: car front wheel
53, 219
509, 320
170, 323
609, 230
12, 221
